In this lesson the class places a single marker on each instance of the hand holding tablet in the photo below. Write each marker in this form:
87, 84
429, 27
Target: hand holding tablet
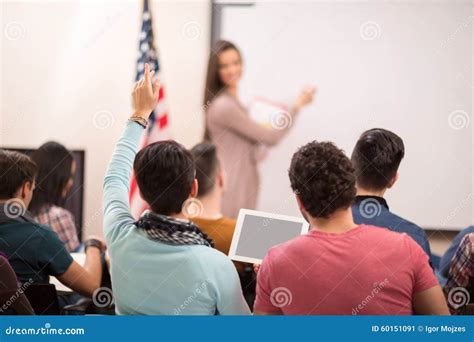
256, 232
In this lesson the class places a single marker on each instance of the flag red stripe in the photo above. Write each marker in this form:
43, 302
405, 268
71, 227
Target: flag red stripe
133, 187
133, 183
163, 121
159, 121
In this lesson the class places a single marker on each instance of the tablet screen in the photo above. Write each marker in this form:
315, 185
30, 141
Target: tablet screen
259, 233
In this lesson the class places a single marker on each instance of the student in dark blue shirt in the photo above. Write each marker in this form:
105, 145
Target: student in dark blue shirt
376, 158
34, 251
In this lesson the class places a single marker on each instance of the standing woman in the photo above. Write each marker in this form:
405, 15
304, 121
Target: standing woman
56, 169
236, 135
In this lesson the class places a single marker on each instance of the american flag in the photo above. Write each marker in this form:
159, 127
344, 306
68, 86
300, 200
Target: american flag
158, 123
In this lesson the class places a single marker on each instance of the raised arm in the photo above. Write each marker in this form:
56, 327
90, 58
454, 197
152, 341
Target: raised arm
227, 113
117, 215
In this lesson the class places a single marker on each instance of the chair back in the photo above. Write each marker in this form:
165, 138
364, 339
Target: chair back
43, 299
12, 299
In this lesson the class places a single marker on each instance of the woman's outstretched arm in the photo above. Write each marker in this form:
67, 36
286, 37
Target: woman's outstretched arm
226, 112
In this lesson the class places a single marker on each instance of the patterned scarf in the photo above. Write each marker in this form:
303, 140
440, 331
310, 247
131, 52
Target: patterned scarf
174, 232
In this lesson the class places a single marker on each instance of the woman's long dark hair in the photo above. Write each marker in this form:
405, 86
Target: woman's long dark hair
214, 84
54, 163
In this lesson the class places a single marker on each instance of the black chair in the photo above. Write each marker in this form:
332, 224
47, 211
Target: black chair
248, 281
43, 299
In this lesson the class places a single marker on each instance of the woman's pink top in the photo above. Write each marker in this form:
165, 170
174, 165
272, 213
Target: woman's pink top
237, 138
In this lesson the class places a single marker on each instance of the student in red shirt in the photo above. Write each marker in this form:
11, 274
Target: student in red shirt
339, 267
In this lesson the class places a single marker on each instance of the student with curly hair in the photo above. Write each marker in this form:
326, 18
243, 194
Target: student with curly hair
339, 267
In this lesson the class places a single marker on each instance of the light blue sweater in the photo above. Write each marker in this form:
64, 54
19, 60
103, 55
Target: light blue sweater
153, 278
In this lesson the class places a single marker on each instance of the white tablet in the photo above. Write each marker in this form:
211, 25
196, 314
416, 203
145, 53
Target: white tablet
256, 232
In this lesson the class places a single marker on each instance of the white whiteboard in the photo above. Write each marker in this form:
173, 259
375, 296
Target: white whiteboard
403, 66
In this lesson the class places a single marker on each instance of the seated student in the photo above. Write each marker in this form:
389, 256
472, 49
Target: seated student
161, 264
459, 288
445, 262
220, 229
56, 169
34, 251
210, 177
339, 267
376, 158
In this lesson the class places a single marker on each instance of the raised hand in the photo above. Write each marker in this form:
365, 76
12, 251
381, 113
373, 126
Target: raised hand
145, 94
305, 97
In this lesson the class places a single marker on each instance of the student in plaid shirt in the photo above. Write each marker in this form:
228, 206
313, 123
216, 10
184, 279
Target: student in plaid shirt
461, 276
62, 222
56, 169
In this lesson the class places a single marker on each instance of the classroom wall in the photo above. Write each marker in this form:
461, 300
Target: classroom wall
67, 70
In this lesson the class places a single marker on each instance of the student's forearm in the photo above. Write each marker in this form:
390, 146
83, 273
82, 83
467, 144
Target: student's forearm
117, 179
93, 266
121, 163
86, 279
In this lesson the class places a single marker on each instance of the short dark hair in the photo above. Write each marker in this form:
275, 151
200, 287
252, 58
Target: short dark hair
376, 158
54, 163
207, 165
165, 173
15, 169
323, 178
